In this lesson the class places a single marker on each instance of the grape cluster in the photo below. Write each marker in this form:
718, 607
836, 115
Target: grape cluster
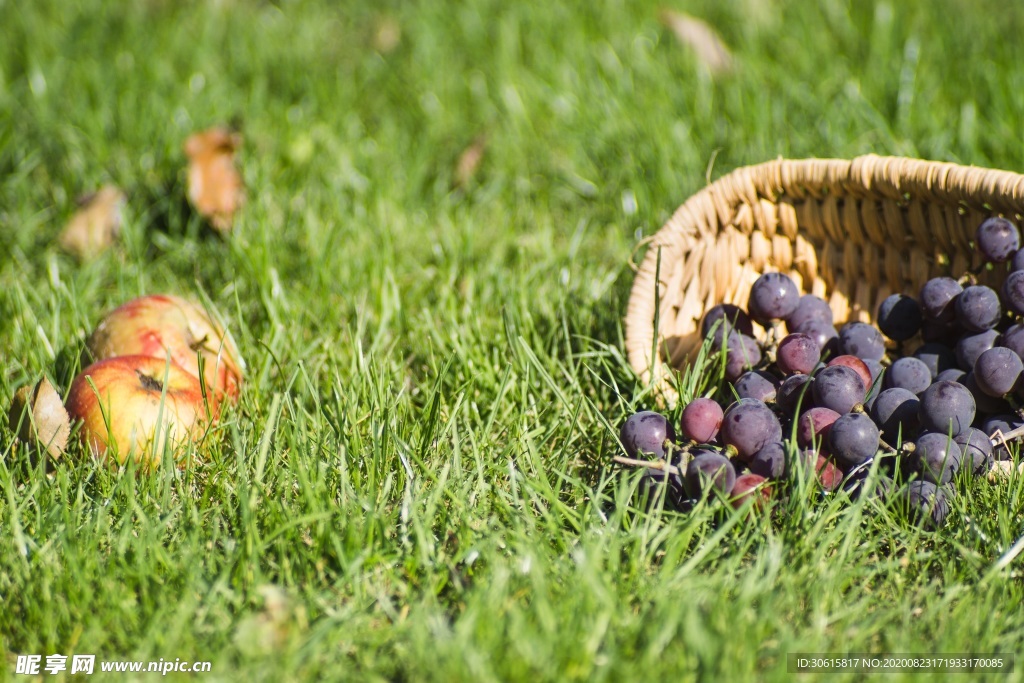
922, 392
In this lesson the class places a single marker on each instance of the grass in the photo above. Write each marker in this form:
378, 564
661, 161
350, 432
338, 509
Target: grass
416, 484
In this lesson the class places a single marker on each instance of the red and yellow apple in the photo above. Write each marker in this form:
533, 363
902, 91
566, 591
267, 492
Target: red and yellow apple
163, 326
136, 407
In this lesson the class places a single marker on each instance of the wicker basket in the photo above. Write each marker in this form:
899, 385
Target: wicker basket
852, 232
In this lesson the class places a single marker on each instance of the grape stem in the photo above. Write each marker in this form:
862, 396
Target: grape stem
998, 438
659, 465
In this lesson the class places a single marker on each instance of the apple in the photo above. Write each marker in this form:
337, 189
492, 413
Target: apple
132, 406
38, 415
161, 325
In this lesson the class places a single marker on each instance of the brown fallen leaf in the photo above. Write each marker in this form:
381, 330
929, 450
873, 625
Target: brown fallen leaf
214, 184
37, 413
469, 162
1003, 470
95, 225
705, 42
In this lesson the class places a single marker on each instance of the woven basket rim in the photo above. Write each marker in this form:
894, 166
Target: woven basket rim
738, 199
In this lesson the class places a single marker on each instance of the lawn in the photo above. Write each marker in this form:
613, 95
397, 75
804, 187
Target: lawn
417, 481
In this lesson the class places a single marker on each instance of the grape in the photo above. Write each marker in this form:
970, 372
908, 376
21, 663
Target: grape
899, 317
797, 354
810, 307
970, 346
937, 357
951, 375
757, 384
1013, 292
650, 490
829, 476
983, 403
908, 373
793, 393
733, 318
877, 372
947, 408
977, 308
936, 457
1013, 339
839, 388
742, 353
770, 461
1004, 424
709, 470
853, 439
861, 340
859, 484
1017, 263
823, 334
977, 450
646, 433
748, 425
997, 371
813, 426
773, 296
747, 488
857, 365
933, 331
701, 420
926, 504
895, 413
937, 297
997, 239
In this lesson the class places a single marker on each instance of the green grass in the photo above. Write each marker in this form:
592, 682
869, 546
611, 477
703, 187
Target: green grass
416, 484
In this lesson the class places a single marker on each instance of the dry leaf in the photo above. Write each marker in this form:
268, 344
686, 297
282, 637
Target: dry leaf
95, 226
214, 184
386, 35
1003, 470
711, 51
41, 416
275, 627
469, 162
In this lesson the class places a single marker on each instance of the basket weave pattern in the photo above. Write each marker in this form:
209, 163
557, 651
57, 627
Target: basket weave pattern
850, 231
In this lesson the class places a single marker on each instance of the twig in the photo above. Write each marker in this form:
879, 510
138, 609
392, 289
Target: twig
659, 465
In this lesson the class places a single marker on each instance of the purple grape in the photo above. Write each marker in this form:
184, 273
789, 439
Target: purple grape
824, 335
932, 331
773, 296
701, 420
997, 239
877, 372
1013, 338
983, 403
810, 307
946, 408
937, 298
653, 483
970, 347
742, 353
908, 373
895, 413
938, 357
977, 308
860, 483
997, 371
861, 340
794, 393
926, 504
936, 457
838, 387
951, 375
646, 432
857, 365
1001, 423
813, 426
1017, 263
1013, 292
977, 451
853, 439
733, 318
770, 461
709, 471
899, 317
797, 354
748, 425
757, 384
